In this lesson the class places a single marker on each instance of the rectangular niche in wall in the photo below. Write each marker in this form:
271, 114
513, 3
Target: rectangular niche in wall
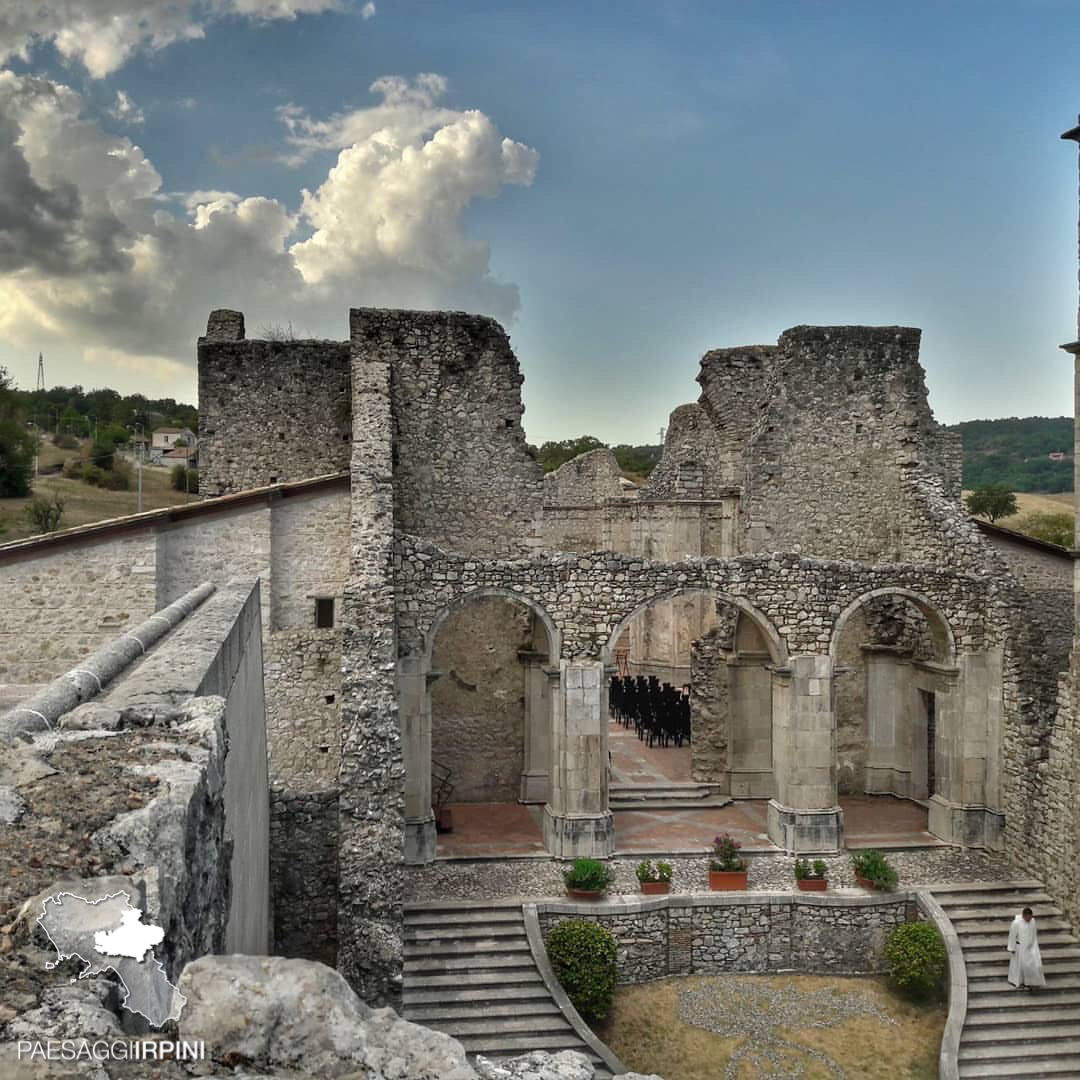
324, 613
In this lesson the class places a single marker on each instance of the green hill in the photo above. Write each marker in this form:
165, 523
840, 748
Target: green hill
1016, 452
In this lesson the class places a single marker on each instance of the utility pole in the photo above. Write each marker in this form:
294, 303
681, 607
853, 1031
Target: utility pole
138, 469
40, 372
662, 433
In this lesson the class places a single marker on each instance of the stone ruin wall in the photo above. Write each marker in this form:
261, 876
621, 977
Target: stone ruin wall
270, 412
461, 475
697, 461
478, 700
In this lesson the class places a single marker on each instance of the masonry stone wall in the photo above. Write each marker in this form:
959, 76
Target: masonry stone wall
696, 462
478, 699
270, 412
461, 475
304, 840
586, 480
718, 934
62, 604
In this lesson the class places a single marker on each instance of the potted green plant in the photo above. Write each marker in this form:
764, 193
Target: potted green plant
727, 868
654, 878
810, 877
872, 870
587, 879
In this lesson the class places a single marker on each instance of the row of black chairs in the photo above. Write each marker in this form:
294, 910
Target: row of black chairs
659, 712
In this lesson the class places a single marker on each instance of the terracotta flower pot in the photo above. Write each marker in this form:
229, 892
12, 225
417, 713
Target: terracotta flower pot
654, 888
727, 880
584, 894
812, 884
866, 883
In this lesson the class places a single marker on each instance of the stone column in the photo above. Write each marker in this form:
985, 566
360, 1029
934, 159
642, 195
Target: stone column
536, 775
414, 712
805, 816
577, 821
965, 809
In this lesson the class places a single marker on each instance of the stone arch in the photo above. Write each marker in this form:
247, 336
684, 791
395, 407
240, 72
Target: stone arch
894, 673
730, 673
929, 610
776, 644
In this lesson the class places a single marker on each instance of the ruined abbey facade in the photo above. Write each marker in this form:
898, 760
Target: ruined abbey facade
800, 559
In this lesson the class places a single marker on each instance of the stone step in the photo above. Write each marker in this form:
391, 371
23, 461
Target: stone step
444, 1010
479, 948
1069, 969
1003, 900
463, 917
513, 1045
541, 1026
1045, 1032
469, 931
966, 928
993, 1070
684, 787
1004, 996
419, 965
1051, 950
423, 980
1030, 1011
1004, 915
715, 803
1018, 885
1024, 1051
524, 996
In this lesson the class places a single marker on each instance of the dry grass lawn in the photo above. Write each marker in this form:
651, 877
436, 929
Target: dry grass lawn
645, 1031
84, 504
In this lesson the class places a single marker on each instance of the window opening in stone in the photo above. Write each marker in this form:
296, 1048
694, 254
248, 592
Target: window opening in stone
324, 613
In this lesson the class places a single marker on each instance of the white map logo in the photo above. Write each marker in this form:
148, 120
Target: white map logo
108, 934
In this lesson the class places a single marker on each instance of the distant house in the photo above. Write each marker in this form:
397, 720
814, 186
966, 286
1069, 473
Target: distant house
164, 439
181, 455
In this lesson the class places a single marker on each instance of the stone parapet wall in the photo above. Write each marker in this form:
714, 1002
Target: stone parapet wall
720, 933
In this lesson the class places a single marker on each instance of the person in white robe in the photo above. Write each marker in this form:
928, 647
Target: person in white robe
1025, 963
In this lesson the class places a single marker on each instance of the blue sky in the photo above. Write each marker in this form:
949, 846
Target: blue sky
689, 175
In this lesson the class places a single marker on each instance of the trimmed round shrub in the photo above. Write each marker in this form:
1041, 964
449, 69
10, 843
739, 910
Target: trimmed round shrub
583, 957
916, 961
588, 875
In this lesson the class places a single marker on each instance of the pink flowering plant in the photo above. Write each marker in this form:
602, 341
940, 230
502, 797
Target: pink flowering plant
726, 855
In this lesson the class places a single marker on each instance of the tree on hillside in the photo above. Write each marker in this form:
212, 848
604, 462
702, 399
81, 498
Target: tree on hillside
992, 501
1053, 528
17, 445
553, 454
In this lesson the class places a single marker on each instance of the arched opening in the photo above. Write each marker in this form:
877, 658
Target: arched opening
691, 694
894, 666
491, 673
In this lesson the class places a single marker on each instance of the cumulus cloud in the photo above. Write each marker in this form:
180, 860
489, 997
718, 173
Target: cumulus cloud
93, 250
103, 34
368, 10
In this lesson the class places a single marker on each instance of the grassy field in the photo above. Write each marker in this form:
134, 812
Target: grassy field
1028, 503
887, 1038
84, 504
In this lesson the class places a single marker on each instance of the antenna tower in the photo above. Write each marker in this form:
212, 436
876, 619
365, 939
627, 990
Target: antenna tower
40, 372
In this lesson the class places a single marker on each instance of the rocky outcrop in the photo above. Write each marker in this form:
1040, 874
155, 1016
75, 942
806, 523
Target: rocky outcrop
302, 1018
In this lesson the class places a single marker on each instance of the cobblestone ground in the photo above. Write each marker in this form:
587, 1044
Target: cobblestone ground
503, 879
759, 1010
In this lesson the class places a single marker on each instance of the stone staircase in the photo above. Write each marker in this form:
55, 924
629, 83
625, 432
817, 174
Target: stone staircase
668, 795
469, 973
1009, 1032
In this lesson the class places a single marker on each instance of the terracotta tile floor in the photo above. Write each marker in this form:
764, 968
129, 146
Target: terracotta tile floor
494, 829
